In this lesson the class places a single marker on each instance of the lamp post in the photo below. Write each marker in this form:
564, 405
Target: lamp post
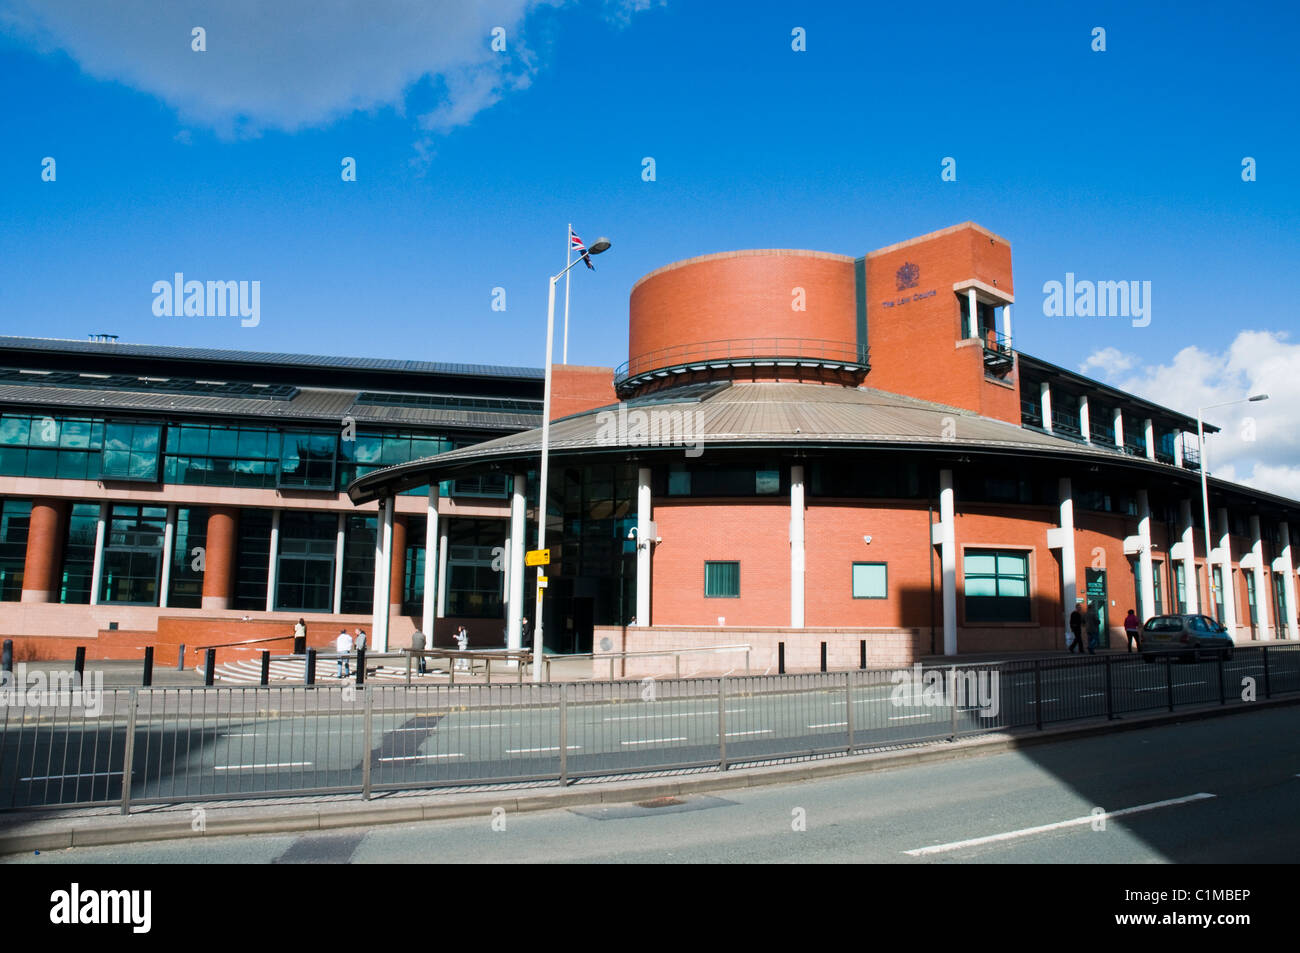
1205, 492
600, 245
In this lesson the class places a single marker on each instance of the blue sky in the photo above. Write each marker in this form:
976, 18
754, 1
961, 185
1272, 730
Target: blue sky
1115, 165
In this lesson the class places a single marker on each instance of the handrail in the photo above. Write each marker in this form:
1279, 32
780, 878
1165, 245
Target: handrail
742, 348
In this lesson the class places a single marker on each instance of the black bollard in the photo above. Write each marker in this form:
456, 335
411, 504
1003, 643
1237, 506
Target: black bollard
79, 667
862, 653
361, 666
780, 658
180, 658
823, 656
310, 678
7, 656
210, 667
266, 666
148, 666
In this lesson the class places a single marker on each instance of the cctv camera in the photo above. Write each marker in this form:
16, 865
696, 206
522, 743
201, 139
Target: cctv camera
867, 540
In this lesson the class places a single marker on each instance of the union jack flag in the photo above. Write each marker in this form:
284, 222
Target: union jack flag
580, 248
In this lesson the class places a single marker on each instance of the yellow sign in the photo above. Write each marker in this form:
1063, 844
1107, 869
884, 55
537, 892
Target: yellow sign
537, 557
542, 581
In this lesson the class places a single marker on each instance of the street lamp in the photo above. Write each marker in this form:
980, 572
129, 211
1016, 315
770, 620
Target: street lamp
598, 246
1205, 492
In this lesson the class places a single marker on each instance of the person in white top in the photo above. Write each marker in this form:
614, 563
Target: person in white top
343, 644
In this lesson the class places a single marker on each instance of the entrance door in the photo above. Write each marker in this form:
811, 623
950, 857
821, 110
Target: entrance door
1099, 602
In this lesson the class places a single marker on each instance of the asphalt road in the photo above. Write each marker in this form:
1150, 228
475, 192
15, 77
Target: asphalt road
1208, 791
264, 741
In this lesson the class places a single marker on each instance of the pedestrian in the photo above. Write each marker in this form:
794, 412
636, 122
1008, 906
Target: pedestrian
462, 645
1094, 629
1076, 626
361, 640
1133, 629
300, 637
343, 645
525, 633
417, 646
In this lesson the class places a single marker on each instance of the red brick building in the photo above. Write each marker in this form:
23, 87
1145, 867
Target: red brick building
807, 447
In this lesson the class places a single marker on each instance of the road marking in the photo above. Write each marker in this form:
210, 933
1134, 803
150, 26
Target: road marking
422, 757
1073, 822
59, 777
1046, 700
1164, 688
531, 750
831, 724
756, 731
902, 717
674, 714
651, 741
1093, 695
246, 734
250, 767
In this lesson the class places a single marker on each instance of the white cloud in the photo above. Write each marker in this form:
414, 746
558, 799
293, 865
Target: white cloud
1108, 361
289, 64
1260, 443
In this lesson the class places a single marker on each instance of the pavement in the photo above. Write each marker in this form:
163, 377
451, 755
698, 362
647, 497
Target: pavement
22, 833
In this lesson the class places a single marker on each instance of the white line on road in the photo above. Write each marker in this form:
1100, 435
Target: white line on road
250, 767
531, 750
903, 717
58, 777
651, 741
422, 757
1162, 688
1073, 822
756, 731
674, 714
831, 724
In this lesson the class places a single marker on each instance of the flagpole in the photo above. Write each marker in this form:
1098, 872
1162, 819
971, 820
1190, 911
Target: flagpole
568, 260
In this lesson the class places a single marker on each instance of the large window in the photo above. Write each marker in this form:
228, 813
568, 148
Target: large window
54, 447
997, 586
133, 555
1279, 604
359, 563
475, 576
1156, 568
203, 455
722, 580
1250, 598
870, 581
186, 586
1180, 587
307, 459
131, 451
1218, 592
305, 576
721, 481
79, 553
252, 559
15, 521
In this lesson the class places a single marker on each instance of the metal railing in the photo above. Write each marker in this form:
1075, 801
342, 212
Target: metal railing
743, 349
161, 745
675, 654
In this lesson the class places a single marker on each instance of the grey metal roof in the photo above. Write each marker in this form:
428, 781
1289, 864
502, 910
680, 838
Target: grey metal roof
308, 405
788, 415
228, 355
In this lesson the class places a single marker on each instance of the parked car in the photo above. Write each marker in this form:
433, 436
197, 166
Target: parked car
1188, 636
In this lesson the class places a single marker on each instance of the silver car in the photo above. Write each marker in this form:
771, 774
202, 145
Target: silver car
1187, 636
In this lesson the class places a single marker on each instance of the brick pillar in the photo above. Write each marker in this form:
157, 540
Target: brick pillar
44, 550
219, 557
398, 579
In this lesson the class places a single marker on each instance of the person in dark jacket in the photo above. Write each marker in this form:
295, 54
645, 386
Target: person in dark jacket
1077, 622
417, 645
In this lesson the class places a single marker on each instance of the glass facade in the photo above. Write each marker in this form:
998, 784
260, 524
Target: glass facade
252, 559
79, 553
51, 447
15, 520
185, 590
203, 455
133, 555
359, 563
305, 571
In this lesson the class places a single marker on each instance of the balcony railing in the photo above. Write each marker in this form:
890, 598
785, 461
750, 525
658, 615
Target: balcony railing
679, 358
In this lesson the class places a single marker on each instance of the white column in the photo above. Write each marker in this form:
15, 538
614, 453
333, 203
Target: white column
974, 318
1262, 595
796, 547
97, 567
1150, 429
1287, 568
380, 636
947, 534
644, 545
1069, 579
442, 570
1045, 398
518, 547
1006, 323
1085, 419
1119, 428
169, 544
1191, 597
378, 592
431, 565
273, 564
339, 532
1178, 455
1145, 575
1225, 570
